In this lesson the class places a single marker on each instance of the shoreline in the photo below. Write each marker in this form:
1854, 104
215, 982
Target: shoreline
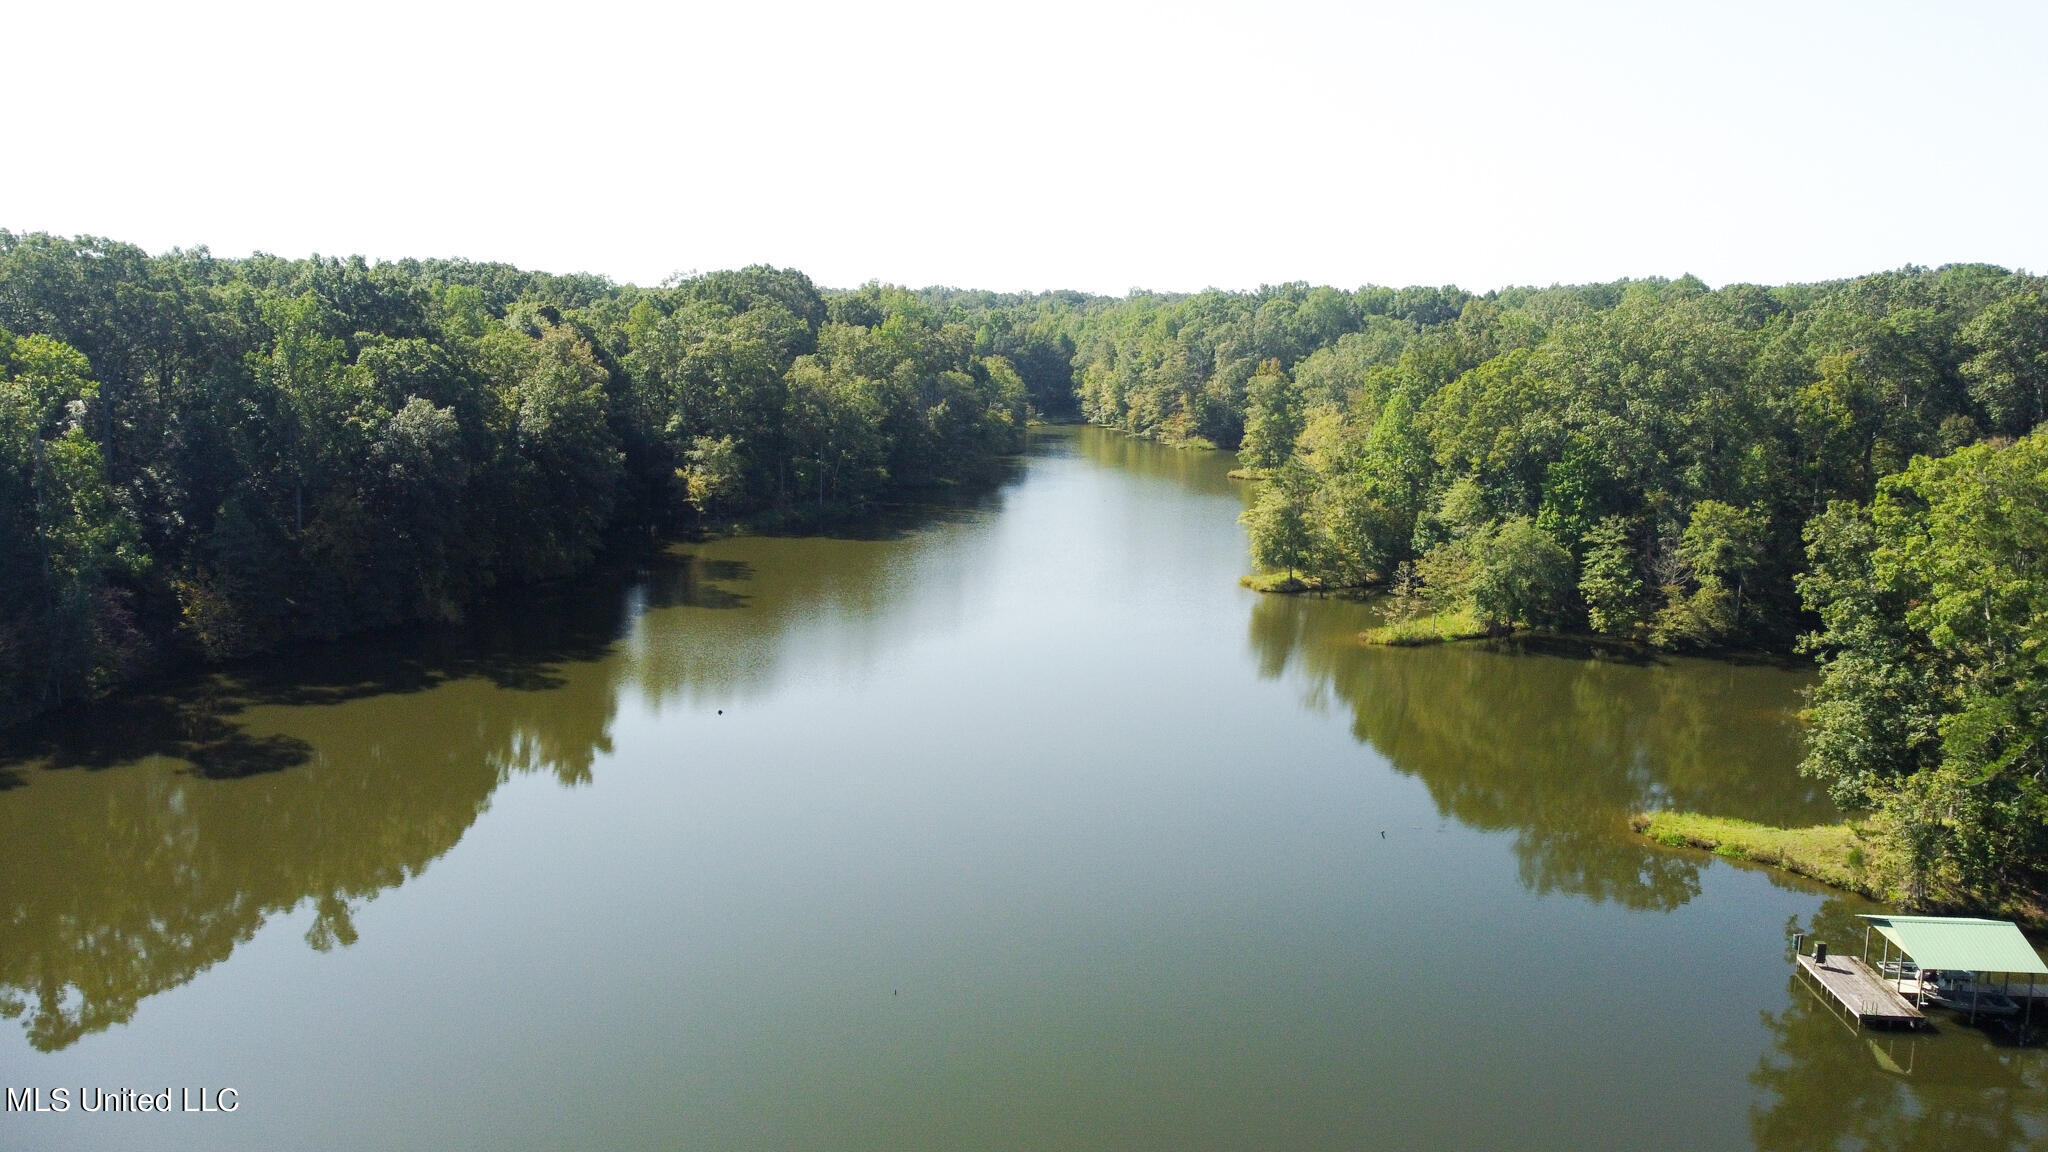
1839, 856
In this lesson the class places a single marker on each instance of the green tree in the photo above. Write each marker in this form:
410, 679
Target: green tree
714, 478
557, 473
1272, 418
1720, 550
318, 400
834, 426
2008, 375
1278, 522
1573, 493
1520, 576
412, 490
1932, 704
1611, 582
65, 540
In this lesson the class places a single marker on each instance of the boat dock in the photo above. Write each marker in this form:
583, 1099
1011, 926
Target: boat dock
1867, 996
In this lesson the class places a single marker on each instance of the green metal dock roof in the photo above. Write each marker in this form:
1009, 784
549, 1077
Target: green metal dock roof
1961, 943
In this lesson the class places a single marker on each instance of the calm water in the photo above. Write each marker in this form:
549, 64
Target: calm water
1012, 825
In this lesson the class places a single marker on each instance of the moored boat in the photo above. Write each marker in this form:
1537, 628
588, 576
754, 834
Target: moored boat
1961, 992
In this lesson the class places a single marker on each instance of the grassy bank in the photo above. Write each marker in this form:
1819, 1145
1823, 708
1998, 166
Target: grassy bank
1435, 628
1831, 853
1287, 583
1283, 582
1838, 855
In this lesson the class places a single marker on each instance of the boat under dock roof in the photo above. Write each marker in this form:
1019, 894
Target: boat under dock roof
1961, 943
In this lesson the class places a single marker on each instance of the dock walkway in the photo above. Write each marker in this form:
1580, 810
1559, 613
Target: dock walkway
1863, 992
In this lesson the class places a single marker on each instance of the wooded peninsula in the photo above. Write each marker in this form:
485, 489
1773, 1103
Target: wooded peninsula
204, 458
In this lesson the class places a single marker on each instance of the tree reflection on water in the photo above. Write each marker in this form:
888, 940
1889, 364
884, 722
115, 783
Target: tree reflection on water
1558, 744
1952, 1088
157, 834
143, 840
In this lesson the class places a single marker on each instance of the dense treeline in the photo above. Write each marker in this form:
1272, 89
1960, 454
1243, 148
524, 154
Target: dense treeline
1180, 367
1636, 459
1657, 462
1932, 705
218, 456
223, 455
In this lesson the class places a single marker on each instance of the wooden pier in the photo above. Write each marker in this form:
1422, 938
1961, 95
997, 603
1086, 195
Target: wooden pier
1867, 996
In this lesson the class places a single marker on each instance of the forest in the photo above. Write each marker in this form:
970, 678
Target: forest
205, 457
1847, 470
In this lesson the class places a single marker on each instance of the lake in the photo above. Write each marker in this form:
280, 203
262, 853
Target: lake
1010, 822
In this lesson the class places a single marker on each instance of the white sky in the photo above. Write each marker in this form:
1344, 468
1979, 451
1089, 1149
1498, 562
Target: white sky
1098, 145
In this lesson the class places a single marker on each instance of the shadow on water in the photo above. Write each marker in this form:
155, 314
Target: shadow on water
695, 583
521, 643
973, 498
352, 767
1559, 741
322, 777
1573, 648
1635, 655
1202, 470
238, 756
1826, 1084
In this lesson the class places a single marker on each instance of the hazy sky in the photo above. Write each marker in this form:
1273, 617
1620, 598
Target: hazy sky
1098, 145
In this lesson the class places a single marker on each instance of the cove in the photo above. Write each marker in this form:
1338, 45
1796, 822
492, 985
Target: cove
1008, 823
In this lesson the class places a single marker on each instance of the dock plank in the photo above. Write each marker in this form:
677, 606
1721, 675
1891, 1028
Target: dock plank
1863, 992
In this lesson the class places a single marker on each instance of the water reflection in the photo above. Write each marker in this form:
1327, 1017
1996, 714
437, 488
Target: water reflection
1558, 744
1830, 1085
1020, 767
120, 884
719, 613
1187, 470
143, 840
